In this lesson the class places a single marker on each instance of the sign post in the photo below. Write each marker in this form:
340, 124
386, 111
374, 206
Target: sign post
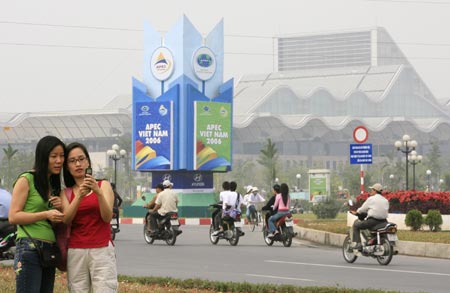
361, 153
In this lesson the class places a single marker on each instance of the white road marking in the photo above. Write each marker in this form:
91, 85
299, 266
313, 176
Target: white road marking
358, 268
277, 277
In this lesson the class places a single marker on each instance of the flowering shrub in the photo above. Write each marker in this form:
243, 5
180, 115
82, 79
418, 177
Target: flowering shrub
404, 200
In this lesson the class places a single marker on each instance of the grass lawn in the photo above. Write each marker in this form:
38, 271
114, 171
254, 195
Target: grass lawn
339, 225
160, 284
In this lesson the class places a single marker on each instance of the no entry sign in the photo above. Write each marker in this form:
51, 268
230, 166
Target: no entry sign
360, 134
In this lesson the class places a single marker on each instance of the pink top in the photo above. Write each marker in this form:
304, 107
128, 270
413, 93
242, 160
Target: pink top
280, 204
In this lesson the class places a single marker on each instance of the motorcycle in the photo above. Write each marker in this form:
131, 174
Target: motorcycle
114, 224
232, 228
378, 242
7, 240
168, 228
285, 228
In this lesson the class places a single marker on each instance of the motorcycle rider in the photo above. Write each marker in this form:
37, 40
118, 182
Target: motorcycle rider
166, 202
250, 199
230, 200
150, 206
282, 202
377, 207
216, 216
270, 203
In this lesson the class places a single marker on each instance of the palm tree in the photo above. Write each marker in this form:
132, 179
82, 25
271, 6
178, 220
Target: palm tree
9, 153
268, 158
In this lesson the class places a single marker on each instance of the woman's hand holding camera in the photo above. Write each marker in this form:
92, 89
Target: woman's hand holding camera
89, 184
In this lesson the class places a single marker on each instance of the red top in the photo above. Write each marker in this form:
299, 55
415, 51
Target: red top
88, 230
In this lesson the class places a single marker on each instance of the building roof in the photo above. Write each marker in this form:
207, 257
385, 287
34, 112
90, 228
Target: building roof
73, 125
333, 99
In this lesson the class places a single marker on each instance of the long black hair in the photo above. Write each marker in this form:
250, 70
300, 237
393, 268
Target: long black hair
69, 181
42, 183
284, 188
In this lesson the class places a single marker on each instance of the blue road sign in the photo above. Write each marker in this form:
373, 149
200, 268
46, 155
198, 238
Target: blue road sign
361, 153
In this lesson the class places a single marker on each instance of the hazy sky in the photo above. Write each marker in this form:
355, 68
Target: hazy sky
63, 55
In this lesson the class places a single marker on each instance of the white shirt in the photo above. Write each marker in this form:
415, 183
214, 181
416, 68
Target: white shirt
168, 201
376, 206
230, 200
223, 195
251, 198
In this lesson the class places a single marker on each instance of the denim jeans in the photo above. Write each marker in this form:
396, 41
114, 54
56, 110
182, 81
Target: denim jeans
31, 277
250, 209
273, 219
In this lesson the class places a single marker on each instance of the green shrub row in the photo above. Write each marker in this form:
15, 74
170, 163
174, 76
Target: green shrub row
415, 220
328, 209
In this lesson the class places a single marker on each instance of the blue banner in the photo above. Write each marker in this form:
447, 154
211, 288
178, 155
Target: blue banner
361, 153
184, 180
153, 135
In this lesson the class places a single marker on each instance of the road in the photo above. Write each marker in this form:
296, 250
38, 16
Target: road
303, 264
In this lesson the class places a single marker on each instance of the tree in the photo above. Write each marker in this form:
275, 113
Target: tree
351, 179
434, 159
268, 158
9, 153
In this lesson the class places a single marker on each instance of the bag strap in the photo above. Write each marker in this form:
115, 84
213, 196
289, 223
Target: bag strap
38, 248
237, 200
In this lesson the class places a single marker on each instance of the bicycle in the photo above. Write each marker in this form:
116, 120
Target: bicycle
255, 219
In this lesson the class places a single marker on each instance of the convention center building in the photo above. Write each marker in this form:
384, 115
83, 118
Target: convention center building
325, 86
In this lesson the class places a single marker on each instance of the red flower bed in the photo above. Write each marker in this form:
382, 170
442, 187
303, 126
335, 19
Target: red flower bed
404, 200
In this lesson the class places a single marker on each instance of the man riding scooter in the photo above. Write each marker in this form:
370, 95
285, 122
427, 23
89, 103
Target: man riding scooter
166, 202
377, 207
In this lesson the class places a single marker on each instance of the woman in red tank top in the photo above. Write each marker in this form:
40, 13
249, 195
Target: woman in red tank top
91, 261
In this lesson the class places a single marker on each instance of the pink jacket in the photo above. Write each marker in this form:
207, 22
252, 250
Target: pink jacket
280, 204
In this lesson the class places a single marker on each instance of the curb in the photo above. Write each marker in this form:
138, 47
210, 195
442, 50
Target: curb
425, 249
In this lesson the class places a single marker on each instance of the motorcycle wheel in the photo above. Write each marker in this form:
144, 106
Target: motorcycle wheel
388, 253
213, 239
347, 250
172, 237
287, 237
267, 240
235, 239
147, 238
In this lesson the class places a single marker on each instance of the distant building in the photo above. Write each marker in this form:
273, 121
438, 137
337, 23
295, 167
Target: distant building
372, 47
326, 85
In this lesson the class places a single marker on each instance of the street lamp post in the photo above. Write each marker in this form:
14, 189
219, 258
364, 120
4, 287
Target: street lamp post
414, 160
391, 177
429, 181
115, 154
298, 176
441, 182
409, 146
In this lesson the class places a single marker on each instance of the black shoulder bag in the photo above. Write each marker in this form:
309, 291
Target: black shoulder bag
50, 256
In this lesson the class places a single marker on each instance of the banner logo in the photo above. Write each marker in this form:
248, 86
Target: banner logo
204, 63
162, 63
